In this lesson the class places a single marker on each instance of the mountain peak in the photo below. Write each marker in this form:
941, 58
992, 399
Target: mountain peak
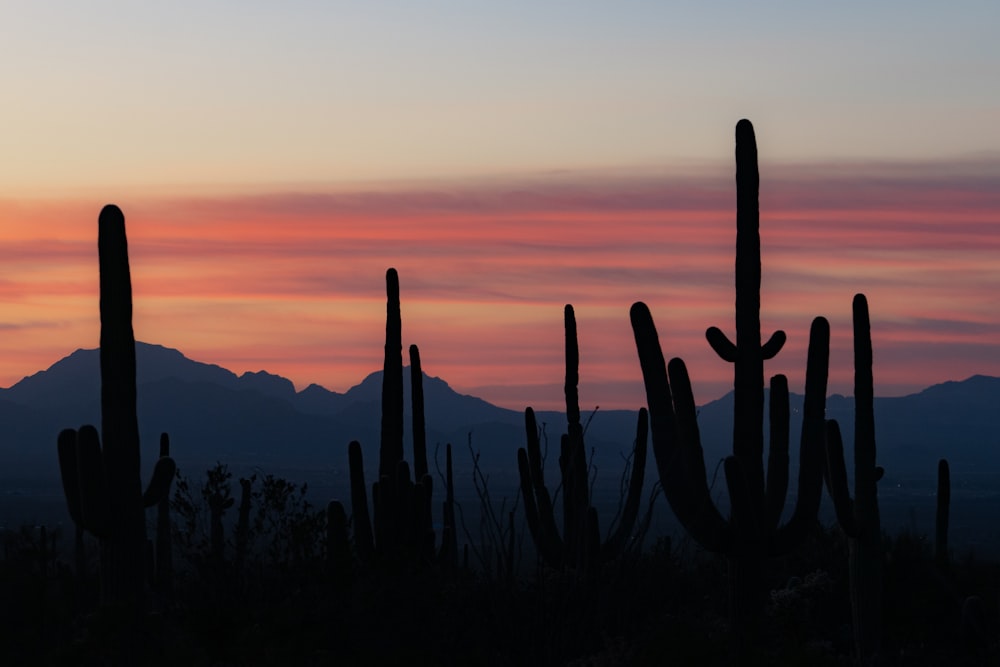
268, 384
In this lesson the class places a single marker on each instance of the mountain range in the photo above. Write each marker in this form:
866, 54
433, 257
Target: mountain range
258, 421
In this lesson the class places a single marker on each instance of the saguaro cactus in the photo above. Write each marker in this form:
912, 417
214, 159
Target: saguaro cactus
752, 531
101, 481
580, 545
402, 506
859, 517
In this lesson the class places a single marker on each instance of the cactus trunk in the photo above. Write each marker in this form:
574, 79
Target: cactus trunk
123, 550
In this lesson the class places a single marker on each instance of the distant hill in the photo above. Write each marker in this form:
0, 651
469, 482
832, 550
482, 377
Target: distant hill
255, 419
259, 420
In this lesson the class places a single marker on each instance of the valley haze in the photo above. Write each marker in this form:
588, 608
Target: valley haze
258, 422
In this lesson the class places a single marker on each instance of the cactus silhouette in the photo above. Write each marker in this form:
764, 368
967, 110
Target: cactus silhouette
100, 473
163, 578
753, 530
403, 528
859, 517
101, 480
580, 545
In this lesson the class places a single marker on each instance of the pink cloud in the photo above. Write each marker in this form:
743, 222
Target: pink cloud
293, 282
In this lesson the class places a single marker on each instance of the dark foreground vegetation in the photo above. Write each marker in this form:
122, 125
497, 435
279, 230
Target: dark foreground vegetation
665, 606
247, 572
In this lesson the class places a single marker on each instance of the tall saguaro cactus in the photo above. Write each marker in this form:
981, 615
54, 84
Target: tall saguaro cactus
747, 355
403, 525
391, 445
753, 530
859, 517
101, 479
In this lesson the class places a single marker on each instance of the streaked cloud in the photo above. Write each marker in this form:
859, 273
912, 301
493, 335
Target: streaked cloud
293, 281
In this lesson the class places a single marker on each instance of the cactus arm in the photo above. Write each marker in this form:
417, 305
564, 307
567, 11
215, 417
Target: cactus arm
551, 546
572, 381
623, 532
542, 533
543, 499
159, 484
573, 459
419, 423
726, 350
95, 503
676, 445
68, 471
843, 504
391, 446
360, 519
534, 449
714, 530
721, 344
773, 345
866, 491
777, 452
811, 443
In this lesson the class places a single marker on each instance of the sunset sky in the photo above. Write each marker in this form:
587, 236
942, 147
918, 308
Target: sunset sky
273, 159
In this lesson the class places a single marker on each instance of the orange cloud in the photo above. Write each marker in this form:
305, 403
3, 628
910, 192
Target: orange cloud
293, 282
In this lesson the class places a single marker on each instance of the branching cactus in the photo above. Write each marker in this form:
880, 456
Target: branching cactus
753, 530
859, 516
101, 479
403, 528
579, 546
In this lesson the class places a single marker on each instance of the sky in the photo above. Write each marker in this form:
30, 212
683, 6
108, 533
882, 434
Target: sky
274, 159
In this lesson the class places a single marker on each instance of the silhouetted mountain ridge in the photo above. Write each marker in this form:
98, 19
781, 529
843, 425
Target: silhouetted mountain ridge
258, 419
